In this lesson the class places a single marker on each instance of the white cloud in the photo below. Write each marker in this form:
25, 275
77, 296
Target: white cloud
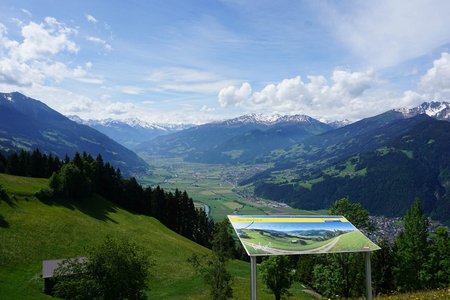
232, 96
384, 33
175, 74
207, 109
294, 93
27, 12
346, 95
34, 60
202, 88
435, 84
120, 108
17, 73
80, 105
91, 18
131, 90
188, 80
43, 40
99, 41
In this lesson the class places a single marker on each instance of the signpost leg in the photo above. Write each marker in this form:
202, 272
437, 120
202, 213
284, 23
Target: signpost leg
368, 277
253, 276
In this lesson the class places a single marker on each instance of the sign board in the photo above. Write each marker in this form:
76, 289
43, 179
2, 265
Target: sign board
286, 235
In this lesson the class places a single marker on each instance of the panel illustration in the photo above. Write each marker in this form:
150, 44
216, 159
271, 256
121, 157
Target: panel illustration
288, 235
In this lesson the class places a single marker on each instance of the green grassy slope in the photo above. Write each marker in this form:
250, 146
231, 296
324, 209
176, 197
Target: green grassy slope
32, 231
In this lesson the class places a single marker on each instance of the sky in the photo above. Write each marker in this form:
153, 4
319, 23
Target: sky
203, 60
291, 226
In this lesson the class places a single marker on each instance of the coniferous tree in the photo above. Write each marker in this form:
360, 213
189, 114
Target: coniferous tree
437, 266
382, 268
411, 250
2, 163
12, 164
222, 242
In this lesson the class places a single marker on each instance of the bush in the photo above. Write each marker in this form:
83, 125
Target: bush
117, 269
3, 194
44, 194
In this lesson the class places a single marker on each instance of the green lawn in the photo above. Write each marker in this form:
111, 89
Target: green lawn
353, 240
32, 231
282, 243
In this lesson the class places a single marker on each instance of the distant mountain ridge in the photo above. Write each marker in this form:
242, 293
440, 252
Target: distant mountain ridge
132, 122
252, 137
267, 119
26, 123
130, 132
238, 140
434, 109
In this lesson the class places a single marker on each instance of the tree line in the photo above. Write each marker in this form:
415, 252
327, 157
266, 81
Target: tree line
77, 179
30, 164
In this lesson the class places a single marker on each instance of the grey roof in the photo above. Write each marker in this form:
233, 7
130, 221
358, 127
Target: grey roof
49, 266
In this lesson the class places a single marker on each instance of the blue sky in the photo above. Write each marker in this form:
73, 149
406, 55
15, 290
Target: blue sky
198, 61
286, 227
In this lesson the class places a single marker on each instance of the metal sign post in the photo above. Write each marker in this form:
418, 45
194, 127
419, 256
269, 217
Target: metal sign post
253, 276
368, 277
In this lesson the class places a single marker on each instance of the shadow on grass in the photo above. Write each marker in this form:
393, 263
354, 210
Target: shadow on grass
5, 197
3, 222
95, 206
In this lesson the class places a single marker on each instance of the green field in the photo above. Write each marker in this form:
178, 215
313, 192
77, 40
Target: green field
261, 242
353, 240
215, 186
284, 243
32, 231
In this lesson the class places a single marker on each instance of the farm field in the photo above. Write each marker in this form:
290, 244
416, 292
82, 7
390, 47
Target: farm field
215, 187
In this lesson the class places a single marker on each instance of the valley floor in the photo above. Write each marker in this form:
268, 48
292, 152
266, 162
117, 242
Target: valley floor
215, 187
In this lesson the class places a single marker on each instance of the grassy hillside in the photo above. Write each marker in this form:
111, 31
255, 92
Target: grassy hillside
32, 231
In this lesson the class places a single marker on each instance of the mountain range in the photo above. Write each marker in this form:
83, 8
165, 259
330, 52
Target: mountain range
130, 132
383, 162
254, 137
28, 124
240, 140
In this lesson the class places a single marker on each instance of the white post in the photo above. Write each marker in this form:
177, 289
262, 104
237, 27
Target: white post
368, 277
253, 276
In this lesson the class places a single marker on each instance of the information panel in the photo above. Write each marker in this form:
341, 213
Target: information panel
285, 235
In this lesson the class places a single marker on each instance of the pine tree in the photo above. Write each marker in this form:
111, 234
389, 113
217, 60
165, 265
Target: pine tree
437, 267
411, 250
382, 268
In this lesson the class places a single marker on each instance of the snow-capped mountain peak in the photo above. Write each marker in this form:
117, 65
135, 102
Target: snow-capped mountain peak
339, 123
267, 119
434, 109
131, 122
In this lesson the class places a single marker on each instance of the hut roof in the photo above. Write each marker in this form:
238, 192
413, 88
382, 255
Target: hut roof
49, 266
